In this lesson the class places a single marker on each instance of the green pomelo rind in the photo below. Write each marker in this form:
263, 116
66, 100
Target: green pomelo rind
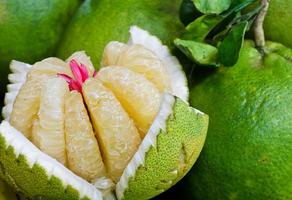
98, 22
35, 174
171, 154
277, 24
248, 151
6, 193
30, 30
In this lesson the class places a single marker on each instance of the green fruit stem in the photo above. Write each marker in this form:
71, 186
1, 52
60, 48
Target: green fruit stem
258, 26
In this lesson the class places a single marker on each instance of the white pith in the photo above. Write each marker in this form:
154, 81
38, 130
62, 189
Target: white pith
16, 78
34, 156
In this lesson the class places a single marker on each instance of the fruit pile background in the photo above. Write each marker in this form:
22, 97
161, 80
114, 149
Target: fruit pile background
248, 150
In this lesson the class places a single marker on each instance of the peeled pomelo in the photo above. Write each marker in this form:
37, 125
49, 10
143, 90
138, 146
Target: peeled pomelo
86, 139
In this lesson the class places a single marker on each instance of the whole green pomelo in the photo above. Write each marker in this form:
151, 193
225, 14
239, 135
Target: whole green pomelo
30, 30
248, 150
99, 21
278, 25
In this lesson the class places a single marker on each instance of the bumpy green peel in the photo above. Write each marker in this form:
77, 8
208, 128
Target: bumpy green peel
177, 147
248, 151
277, 25
27, 169
30, 31
6, 193
32, 182
98, 22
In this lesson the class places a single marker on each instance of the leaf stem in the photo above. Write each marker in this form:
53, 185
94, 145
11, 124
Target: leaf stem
258, 26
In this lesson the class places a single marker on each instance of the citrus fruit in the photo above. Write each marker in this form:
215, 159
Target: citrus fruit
28, 98
118, 133
278, 26
82, 149
248, 152
30, 30
5, 192
48, 123
131, 57
102, 21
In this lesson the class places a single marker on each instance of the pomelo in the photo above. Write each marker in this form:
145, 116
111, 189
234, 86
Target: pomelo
248, 151
98, 22
30, 30
277, 25
115, 133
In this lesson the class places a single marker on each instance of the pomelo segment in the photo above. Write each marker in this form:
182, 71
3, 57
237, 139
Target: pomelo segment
25, 107
48, 129
138, 59
83, 153
112, 53
116, 133
139, 97
178, 81
27, 101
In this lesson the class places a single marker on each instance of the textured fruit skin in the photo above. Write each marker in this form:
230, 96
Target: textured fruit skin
17, 173
186, 132
99, 21
30, 30
177, 148
277, 23
248, 151
5, 192
278, 26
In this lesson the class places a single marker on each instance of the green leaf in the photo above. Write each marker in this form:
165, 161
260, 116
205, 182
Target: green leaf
223, 28
201, 53
188, 12
212, 6
201, 27
230, 17
229, 48
238, 5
